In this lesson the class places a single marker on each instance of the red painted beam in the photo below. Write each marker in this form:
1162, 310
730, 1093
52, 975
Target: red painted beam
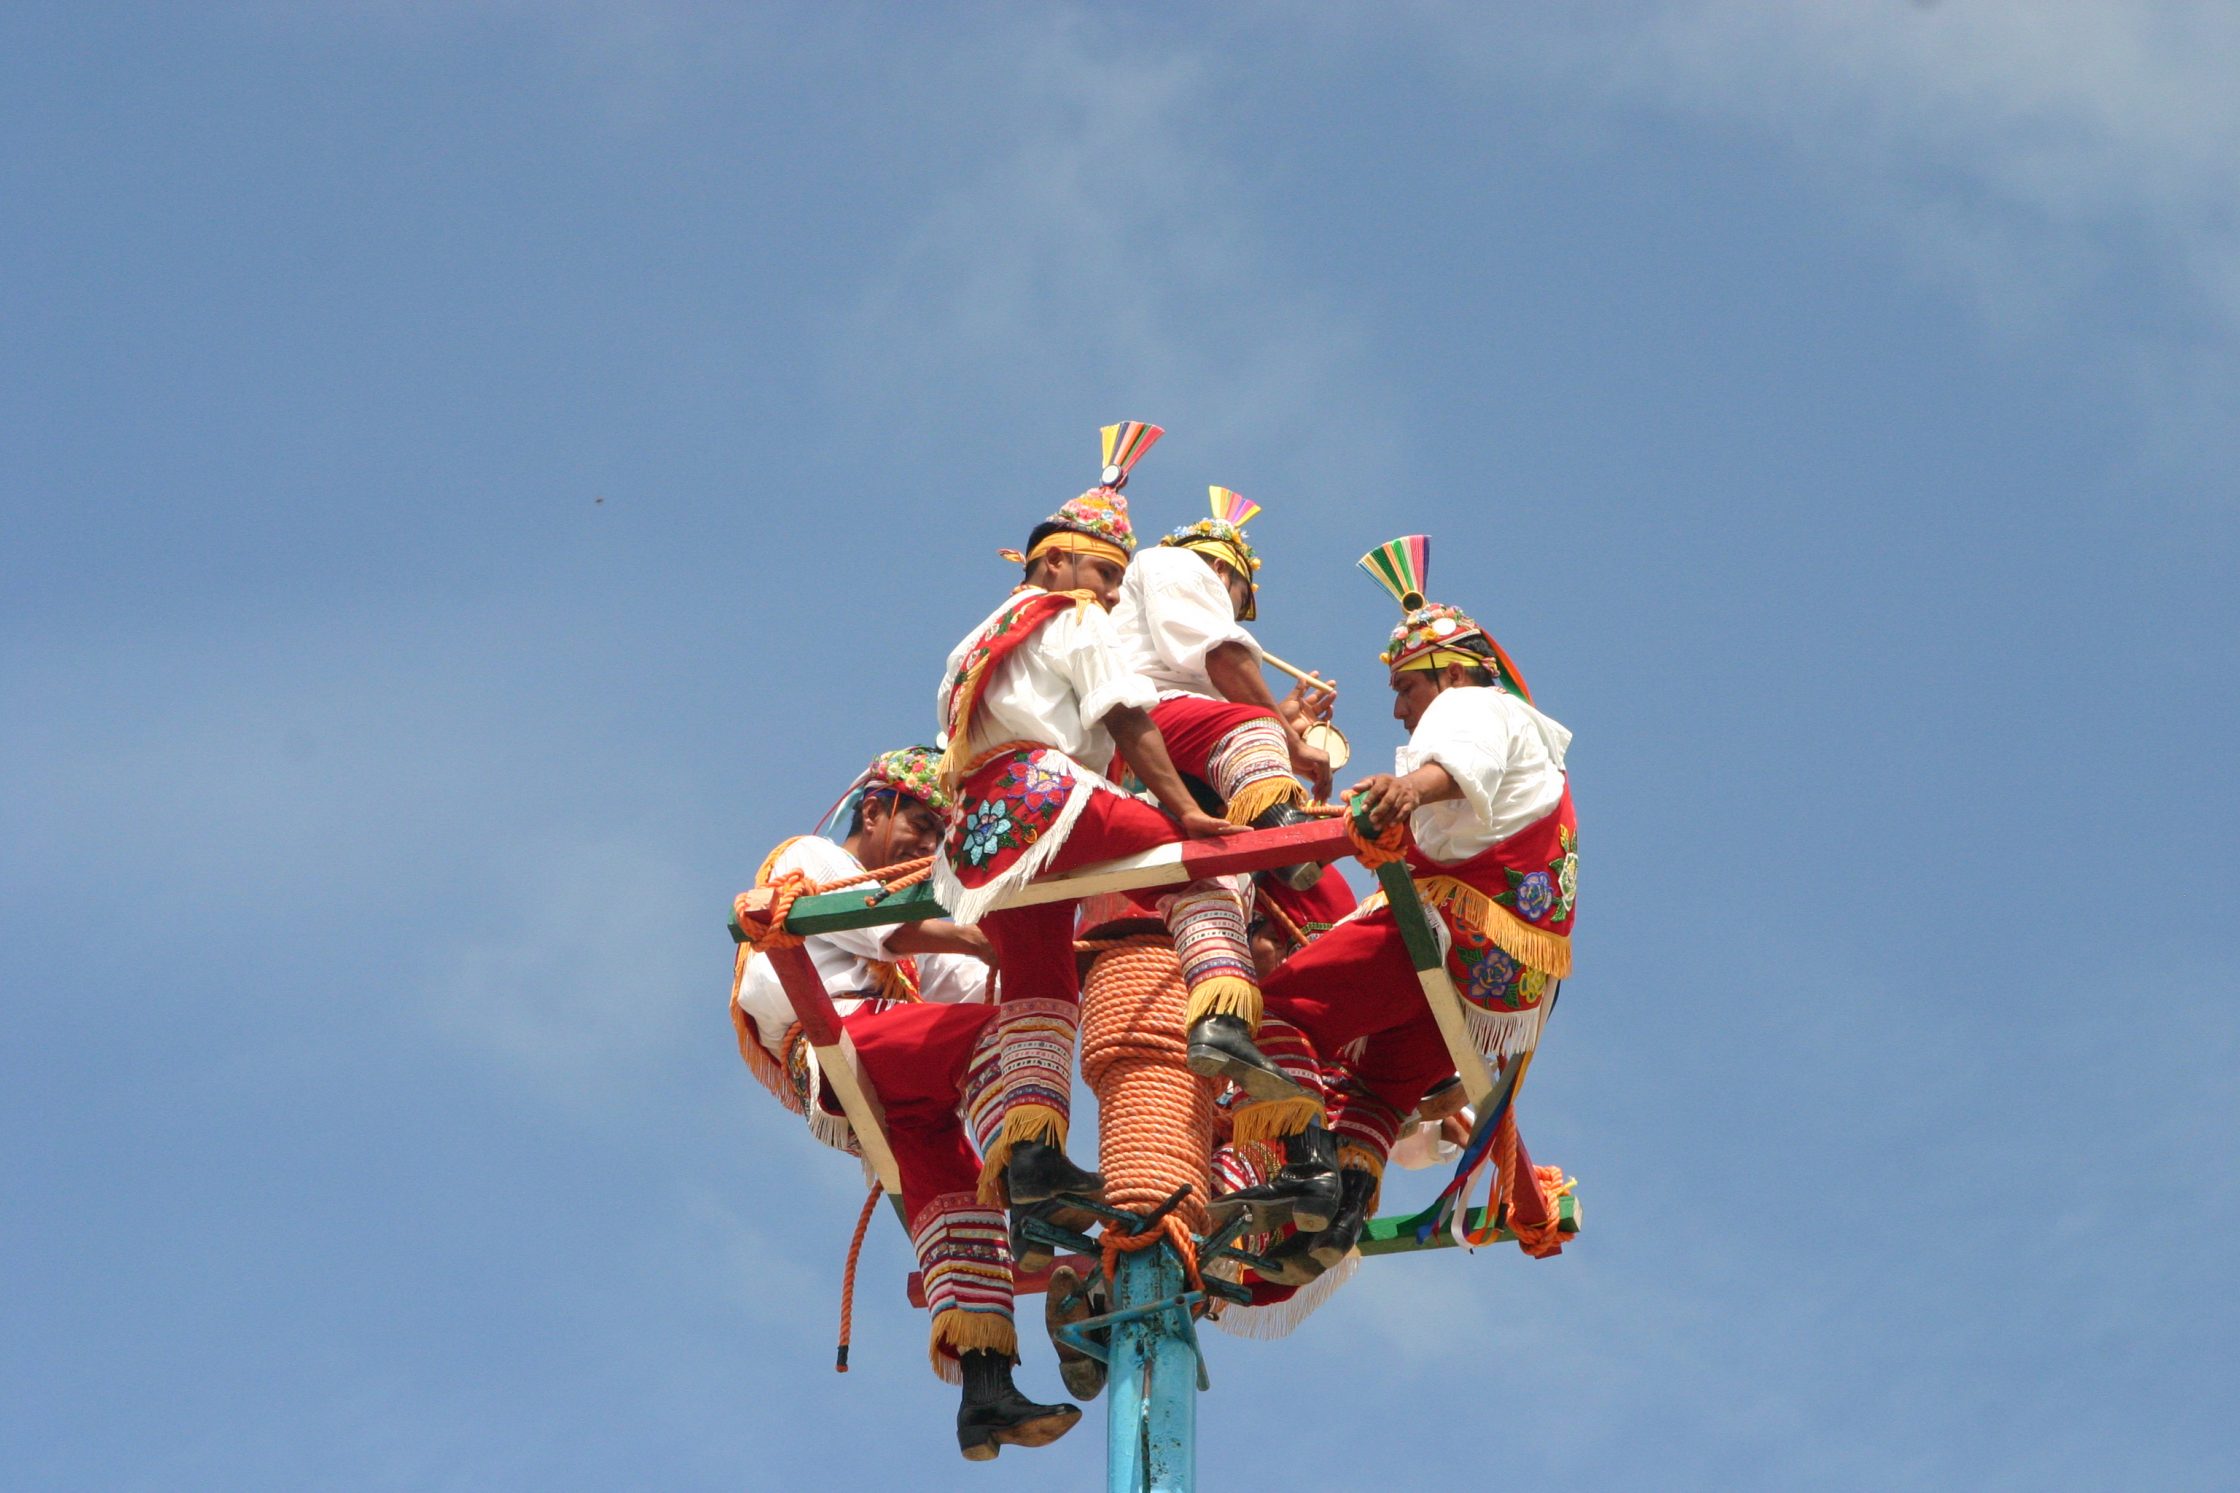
805, 992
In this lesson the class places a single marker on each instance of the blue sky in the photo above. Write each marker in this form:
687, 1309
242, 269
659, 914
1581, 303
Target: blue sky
472, 477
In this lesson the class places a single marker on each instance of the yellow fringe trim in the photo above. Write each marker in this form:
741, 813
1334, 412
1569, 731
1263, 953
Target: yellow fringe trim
767, 1070
1027, 1123
887, 977
958, 1331
1255, 799
1534, 948
1224, 995
1275, 1120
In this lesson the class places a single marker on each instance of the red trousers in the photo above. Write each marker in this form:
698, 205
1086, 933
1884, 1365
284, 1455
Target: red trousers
1192, 726
1356, 981
914, 1058
1034, 945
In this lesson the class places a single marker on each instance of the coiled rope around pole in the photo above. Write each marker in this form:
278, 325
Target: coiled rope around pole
1154, 1116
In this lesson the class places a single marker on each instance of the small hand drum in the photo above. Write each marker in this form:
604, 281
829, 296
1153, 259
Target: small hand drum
1330, 741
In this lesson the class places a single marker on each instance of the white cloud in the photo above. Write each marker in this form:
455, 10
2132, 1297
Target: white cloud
2045, 162
1098, 251
2085, 119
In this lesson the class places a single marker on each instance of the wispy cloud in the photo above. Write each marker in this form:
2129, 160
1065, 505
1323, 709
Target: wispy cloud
2044, 162
1107, 248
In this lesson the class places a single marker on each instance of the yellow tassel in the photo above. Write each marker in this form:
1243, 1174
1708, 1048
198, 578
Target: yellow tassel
1357, 1157
1255, 799
1275, 1120
1224, 995
1534, 948
767, 1070
958, 1331
1027, 1123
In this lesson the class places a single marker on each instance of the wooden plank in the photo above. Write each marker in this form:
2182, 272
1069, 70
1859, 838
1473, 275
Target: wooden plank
1032, 1284
1188, 860
1397, 1235
1431, 973
1163, 865
836, 1059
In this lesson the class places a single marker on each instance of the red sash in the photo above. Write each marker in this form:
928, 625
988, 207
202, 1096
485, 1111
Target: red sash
1018, 620
1533, 874
1509, 911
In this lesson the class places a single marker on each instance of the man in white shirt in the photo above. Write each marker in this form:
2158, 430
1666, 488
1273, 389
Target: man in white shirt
914, 998
1032, 703
1180, 619
1482, 784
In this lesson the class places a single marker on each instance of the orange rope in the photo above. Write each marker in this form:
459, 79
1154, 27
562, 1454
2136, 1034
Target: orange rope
1282, 919
1539, 1239
768, 931
1154, 1117
1389, 846
848, 1279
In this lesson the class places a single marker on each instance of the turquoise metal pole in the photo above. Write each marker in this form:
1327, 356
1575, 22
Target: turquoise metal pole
1151, 1430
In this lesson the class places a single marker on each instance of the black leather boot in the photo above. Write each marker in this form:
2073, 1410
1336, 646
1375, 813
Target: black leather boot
1359, 1194
1222, 1047
1067, 1302
1306, 873
1305, 1193
995, 1415
1039, 1171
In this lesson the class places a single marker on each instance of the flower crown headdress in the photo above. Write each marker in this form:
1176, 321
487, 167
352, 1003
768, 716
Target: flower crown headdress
1222, 536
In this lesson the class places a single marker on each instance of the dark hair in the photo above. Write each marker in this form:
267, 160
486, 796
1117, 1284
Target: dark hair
887, 796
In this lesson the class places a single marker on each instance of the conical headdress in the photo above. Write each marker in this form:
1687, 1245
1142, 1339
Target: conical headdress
1097, 521
1431, 634
1222, 536
1400, 565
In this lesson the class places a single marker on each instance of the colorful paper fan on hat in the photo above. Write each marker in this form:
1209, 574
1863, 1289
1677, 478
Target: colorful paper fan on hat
1124, 445
1401, 566
1232, 508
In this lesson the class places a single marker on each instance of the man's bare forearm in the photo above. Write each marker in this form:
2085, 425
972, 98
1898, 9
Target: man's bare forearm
939, 936
1145, 750
1236, 673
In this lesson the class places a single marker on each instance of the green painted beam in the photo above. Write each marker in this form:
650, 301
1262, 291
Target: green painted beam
1397, 1235
835, 912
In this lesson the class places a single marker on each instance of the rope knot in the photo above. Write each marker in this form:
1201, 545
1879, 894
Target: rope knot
1392, 844
768, 931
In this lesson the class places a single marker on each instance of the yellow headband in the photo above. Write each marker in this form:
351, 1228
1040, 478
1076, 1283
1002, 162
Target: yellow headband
1068, 541
1439, 658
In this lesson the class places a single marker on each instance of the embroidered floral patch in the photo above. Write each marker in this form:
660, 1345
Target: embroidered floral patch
1006, 806
1543, 897
1487, 977
1567, 874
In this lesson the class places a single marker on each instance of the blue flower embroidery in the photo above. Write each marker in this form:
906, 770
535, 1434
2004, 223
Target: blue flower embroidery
1535, 896
986, 830
1490, 975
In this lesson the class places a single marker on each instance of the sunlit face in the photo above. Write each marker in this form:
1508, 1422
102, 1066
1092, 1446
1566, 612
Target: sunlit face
900, 829
1071, 570
1239, 589
1413, 690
